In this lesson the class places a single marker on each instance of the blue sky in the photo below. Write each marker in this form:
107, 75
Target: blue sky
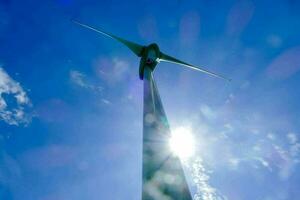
71, 100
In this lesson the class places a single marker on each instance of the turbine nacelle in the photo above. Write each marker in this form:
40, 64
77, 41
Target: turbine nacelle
152, 53
149, 58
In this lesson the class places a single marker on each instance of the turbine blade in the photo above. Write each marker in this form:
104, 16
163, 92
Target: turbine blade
167, 58
135, 48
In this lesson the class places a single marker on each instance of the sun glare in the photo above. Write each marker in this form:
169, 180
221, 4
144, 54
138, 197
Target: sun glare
182, 142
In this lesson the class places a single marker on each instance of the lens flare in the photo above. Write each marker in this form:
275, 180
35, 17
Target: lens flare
182, 143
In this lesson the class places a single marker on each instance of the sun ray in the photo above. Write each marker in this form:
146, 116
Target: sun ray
182, 143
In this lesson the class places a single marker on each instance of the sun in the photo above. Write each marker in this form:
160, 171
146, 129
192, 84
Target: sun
182, 143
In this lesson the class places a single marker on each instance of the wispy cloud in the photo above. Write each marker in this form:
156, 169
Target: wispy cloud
237, 143
112, 70
201, 176
273, 151
13, 113
207, 112
105, 101
78, 78
81, 80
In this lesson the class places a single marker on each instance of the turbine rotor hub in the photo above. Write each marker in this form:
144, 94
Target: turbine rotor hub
149, 60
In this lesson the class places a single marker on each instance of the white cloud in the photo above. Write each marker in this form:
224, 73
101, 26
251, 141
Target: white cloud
113, 70
201, 178
258, 147
271, 136
264, 163
234, 162
245, 85
230, 98
207, 112
13, 115
228, 127
105, 101
120, 67
80, 79
292, 137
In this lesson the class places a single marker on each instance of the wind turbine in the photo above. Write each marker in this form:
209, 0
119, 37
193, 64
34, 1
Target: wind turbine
163, 176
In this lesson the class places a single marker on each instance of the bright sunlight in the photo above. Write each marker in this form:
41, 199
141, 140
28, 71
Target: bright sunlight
182, 142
